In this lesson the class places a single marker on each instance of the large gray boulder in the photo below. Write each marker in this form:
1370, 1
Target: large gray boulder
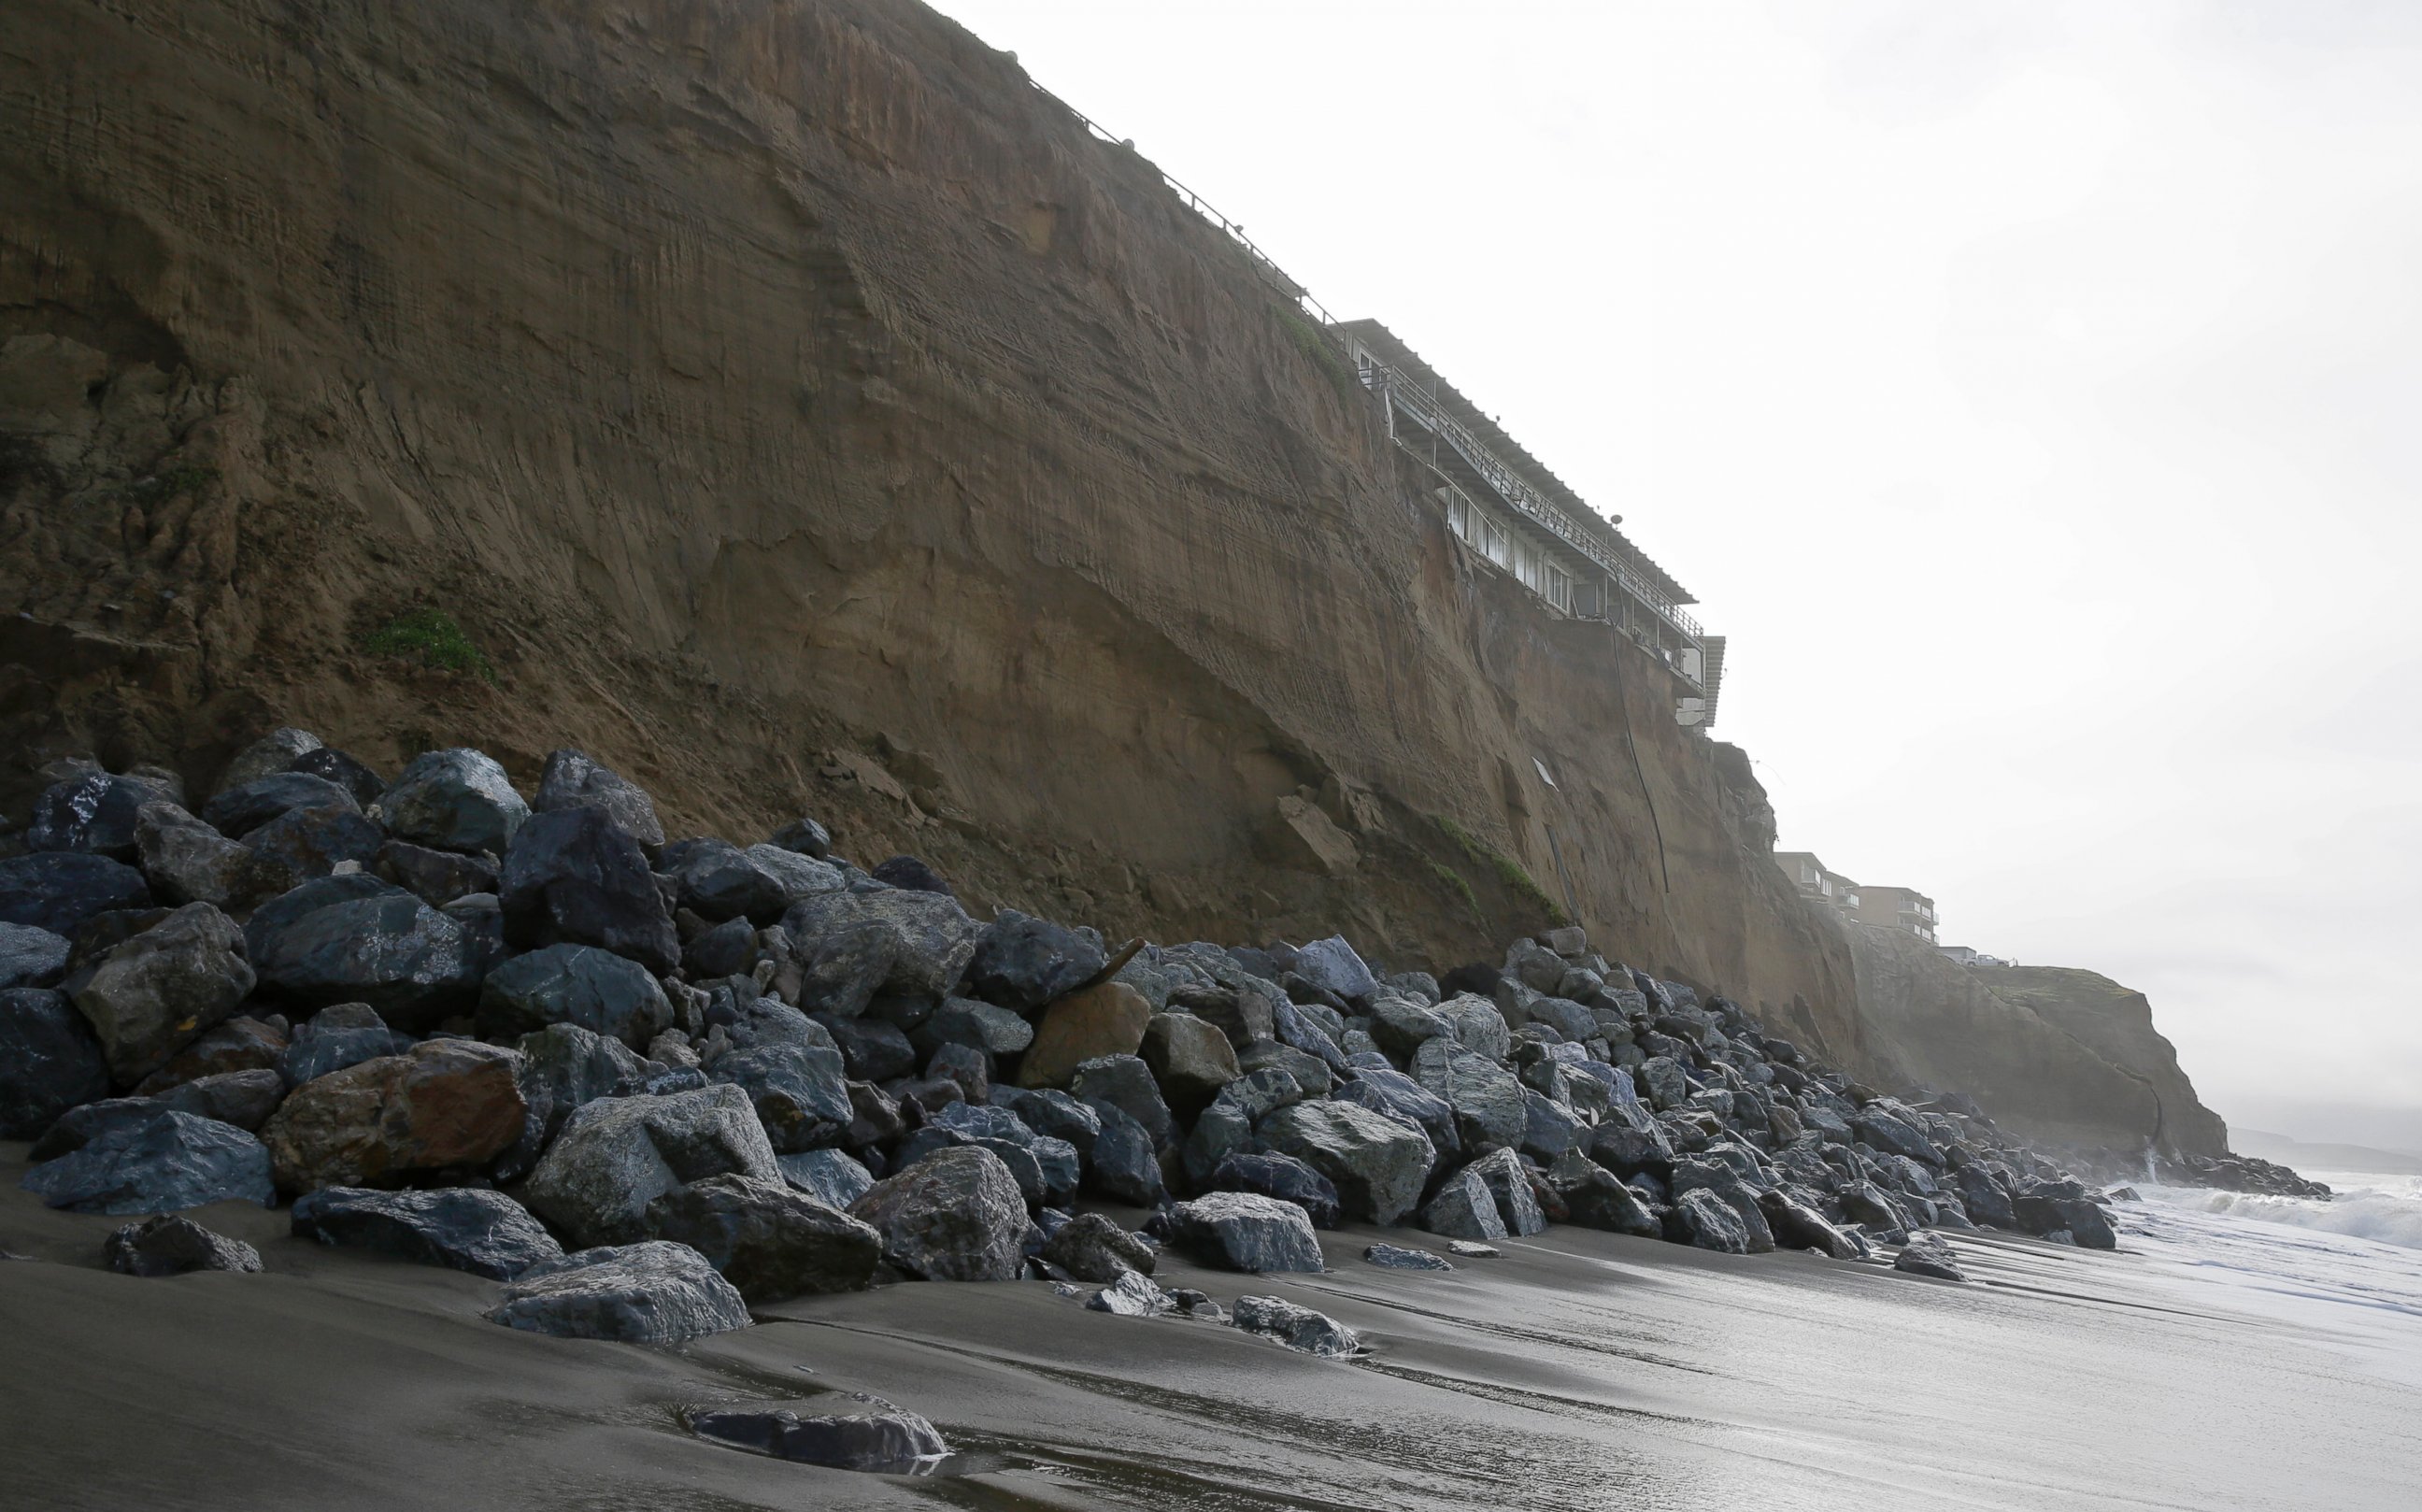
237, 811
1022, 963
163, 1163
657, 1292
49, 1061
1189, 1058
575, 877
1463, 1207
1091, 1248
64, 890
457, 800
1298, 1328
1594, 1197
1928, 1254
717, 881
882, 1442
956, 1215
485, 1233
616, 1156
832, 1177
931, 939
1486, 1099
1477, 1025
1509, 1186
596, 989
1378, 1165
573, 780
769, 1240
353, 939
188, 861
1126, 1082
1332, 966
565, 1066
799, 1090
153, 995
1702, 1219
92, 814
1242, 1231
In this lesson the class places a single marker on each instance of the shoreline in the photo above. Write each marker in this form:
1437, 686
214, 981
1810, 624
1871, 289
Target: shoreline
1581, 1370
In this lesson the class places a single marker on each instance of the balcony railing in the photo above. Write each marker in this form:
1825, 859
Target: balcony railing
1410, 395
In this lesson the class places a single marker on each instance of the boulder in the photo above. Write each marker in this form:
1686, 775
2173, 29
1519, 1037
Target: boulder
800, 1091
485, 1233
1798, 1226
1124, 1166
1662, 1085
1477, 1025
244, 1098
655, 1292
1987, 1200
956, 1215
314, 842
1091, 1248
575, 877
91, 814
729, 948
1332, 966
1399, 1096
932, 937
163, 1163
618, 1154
572, 779
1191, 1059
1629, 1144
63, 892
188, 861
1280, 1176
353, 939
832, 1177
447, 1103
1702, 1219
842, 969
596, 989
1928, 1254
717, 881
799, 876
1879, 1127
1401, 1027
1052, 1113
49, 1060
345, 1034
1550, 1127
1397, 1258
1378, 1165
2087, 1224
273, 752
1131, 1295
457, 800
804, 837
983, 1026
885, 1443
172, 1246
769, 1240
363, 785
1486, 1099
237, 811
30, 956
1104, 1020
153, 995
1022, 963
1245, 1231
1125, 1083
1463, 1207
872, 1049
241, 1043
1298, 1328
1594, 1197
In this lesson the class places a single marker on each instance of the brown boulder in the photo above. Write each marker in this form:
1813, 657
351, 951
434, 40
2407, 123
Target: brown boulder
446, 1103
243, 1042
1108, 1019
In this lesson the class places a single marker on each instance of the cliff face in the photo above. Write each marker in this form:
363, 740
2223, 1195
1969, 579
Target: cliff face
2063, 1057
804, 413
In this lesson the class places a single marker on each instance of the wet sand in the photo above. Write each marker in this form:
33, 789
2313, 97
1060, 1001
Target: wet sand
1581, 1371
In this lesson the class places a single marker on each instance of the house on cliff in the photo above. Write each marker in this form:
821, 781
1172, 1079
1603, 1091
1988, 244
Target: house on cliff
1518, 517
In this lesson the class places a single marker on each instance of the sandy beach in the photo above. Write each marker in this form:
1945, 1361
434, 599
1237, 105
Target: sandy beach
1581, 1370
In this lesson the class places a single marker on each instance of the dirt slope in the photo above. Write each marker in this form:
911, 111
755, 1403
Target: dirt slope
803, 412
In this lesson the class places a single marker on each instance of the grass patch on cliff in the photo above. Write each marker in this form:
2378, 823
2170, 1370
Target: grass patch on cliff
1455, 884
433, 638
1309, 340
1509, 870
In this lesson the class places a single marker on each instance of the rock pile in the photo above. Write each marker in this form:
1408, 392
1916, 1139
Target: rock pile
643, 1080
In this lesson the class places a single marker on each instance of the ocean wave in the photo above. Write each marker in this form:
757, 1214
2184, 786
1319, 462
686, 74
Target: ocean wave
2386, 1210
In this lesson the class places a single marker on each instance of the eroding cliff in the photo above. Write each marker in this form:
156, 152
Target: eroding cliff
802, 413
2066, 1057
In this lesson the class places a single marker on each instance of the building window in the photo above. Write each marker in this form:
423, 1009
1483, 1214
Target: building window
1495, 546
1560, 589
1459, 514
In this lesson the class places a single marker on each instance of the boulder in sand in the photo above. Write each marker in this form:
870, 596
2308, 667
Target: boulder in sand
1244, 1231
1298, 1328
655, 1292
172, 1246
163, 1163
885, 1441
1091, 1248
1928, 1254
956, 1215
618, 1154
769, 1240
485, 1233
49, 1061
1377, 1164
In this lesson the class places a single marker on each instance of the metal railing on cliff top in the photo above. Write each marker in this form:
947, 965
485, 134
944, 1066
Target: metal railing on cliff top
1425, 406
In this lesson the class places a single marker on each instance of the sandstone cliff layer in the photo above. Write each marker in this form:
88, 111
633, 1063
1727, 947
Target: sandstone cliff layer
2064, 1057
801, 412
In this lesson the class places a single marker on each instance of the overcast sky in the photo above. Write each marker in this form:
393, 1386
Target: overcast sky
2028, 391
